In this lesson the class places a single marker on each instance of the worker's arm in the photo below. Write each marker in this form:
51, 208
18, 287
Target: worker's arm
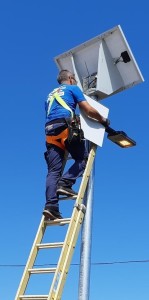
93, 113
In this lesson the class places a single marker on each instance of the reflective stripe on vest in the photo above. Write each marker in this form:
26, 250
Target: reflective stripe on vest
60, 101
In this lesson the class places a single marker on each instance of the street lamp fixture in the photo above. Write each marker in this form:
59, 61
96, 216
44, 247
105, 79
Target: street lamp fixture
120, 138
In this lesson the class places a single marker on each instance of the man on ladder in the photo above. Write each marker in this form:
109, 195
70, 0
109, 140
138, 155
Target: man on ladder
63, 132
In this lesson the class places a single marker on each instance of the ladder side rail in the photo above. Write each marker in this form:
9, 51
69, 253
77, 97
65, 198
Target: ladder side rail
72, 234
31, 259
67, 253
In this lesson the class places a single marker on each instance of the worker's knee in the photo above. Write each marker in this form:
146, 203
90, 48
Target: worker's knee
82, 163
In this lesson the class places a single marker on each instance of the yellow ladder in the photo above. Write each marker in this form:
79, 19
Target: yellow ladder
61, 271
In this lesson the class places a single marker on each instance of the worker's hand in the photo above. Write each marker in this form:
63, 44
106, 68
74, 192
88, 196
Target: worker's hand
105, 122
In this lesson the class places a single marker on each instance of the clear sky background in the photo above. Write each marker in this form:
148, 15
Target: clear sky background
32, 33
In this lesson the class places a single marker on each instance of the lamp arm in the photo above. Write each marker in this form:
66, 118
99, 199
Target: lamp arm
110, 130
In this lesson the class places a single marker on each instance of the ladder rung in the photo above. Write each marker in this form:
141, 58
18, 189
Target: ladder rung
58, 221
35, 297
42, 270
50, 245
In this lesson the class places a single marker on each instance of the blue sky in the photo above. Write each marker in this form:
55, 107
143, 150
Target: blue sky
32, 33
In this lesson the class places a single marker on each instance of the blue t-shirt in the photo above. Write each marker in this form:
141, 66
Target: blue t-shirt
71, 94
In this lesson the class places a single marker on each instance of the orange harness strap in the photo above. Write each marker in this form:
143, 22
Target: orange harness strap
54, 139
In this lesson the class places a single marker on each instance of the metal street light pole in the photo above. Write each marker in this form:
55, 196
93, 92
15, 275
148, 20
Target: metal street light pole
85, 258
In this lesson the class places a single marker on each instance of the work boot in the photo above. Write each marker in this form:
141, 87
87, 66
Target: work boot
66, 191
52, 214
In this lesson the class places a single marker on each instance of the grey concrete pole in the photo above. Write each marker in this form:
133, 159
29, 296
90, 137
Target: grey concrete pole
85, 257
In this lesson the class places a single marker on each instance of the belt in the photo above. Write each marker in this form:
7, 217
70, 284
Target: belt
62, 120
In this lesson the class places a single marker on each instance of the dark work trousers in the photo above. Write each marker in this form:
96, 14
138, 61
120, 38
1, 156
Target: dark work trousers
54, 158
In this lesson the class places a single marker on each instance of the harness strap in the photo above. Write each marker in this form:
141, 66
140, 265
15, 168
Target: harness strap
60, 101
54, 139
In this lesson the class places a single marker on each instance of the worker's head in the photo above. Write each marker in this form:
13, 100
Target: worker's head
66, 76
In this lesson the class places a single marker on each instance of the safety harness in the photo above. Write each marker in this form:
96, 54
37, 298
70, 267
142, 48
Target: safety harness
59, 139
60, 101
73, 123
